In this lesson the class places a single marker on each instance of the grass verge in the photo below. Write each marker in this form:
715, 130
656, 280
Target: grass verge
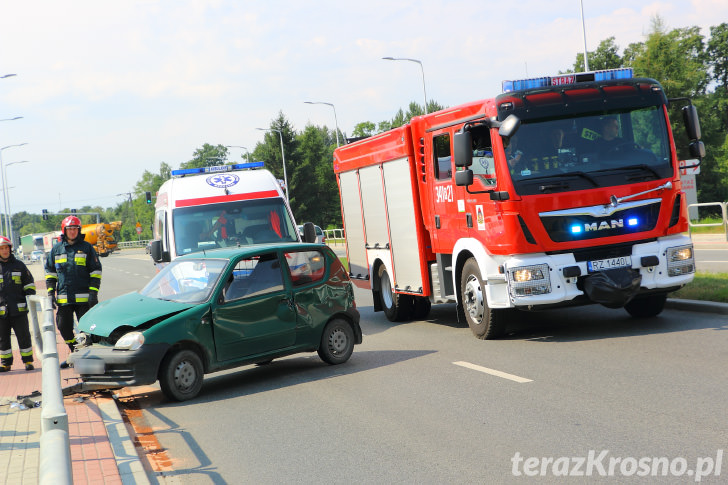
705, 286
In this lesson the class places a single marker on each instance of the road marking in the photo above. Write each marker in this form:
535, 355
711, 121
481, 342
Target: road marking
493, 372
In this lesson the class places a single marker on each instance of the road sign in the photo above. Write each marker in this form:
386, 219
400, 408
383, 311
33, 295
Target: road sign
689, 167
139, 229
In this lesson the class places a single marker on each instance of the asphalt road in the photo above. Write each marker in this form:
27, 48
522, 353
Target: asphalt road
425, 402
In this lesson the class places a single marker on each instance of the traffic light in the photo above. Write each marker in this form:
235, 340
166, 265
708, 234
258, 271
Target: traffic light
45, 214
149, 197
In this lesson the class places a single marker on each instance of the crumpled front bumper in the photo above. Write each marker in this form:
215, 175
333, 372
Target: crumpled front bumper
102, 367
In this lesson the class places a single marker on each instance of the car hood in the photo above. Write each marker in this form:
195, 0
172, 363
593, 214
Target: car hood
132, 310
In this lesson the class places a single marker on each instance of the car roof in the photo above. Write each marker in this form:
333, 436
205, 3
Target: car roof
229, 253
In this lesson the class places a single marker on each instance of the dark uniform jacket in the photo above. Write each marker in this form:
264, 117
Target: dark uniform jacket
73, 271
16, 283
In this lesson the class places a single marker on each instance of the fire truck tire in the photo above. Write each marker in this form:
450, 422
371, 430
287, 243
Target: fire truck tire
484, 322
647, 306
397, 307
421, 307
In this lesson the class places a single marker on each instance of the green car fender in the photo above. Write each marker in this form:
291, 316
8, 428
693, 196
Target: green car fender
191, 328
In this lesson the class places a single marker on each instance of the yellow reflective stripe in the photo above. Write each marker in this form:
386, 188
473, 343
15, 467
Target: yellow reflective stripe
61, 258
80, 259
93, 289
62, 299
51, 290
82, 297
51, 276
26, 352
29, 286
6, 356
72, 341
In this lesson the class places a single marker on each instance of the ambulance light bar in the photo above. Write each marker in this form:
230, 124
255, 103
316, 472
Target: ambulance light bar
566, 79
216, 169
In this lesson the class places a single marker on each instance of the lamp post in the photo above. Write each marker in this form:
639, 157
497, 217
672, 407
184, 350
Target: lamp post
336, 121
283, 154
12, 119
5, 185
244, 148
10, 213
421, 68
7, 75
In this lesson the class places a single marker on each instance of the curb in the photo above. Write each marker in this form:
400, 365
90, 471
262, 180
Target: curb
697, 306
127, 459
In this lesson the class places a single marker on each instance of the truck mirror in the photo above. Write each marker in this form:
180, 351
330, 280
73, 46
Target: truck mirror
464, 177
463, 148
692, 123
697, 149
509, 127
309, 232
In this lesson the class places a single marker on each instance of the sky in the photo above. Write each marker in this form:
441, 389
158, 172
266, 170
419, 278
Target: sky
107, 90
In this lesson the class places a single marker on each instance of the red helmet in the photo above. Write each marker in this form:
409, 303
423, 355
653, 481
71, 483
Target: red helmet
70, 221
6, 242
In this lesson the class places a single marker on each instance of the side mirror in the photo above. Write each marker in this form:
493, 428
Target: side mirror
309, 232
464, 178
158, 255
697, 149
692, 123
463, 148
509, 127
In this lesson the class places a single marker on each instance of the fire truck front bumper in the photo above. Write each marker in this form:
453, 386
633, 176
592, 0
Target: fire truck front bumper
609, 275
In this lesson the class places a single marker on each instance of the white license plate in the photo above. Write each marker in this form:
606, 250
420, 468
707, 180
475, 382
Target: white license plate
609, 263
89, 366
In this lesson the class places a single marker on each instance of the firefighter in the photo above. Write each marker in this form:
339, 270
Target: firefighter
73, 278
15, 284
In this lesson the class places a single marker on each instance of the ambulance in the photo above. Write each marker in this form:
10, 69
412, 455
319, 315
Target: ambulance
206, 208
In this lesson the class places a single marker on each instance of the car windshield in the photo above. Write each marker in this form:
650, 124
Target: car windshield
232, 223
186, 280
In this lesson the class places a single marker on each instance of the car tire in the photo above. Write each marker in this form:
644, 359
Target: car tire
485, 323
180, 375
337, 342
397, 307
647, 306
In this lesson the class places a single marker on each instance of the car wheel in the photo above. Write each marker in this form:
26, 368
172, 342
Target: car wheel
180, 375
337, 342
484, 322
397, 307
647, 306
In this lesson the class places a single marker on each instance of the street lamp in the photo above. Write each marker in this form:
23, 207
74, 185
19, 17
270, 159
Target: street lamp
422, 68
335, 119
283, 154
238, 146
7, 75
13, 119
5, 185
10, 213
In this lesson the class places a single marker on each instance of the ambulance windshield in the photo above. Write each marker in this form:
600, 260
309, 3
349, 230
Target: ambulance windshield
232, 223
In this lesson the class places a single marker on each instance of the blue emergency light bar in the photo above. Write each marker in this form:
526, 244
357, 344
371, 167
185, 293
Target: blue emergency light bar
216, 169
567, 79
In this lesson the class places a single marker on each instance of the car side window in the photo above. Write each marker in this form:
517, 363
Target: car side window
305, 266
254, 276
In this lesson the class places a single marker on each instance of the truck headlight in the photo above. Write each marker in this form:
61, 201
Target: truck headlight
529, 280
130, 341
680, 260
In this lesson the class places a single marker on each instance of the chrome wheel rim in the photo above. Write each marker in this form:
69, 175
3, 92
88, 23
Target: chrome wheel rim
184, 375
474, 299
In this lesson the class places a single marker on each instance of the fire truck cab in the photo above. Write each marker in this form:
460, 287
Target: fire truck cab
563, 190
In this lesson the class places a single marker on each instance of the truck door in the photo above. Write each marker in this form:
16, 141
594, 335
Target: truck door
448, 222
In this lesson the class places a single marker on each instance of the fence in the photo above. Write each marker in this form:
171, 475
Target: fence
723, 223
55, 446
334, 236
133, 244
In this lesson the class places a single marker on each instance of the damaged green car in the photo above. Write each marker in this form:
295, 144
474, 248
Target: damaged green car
220, 309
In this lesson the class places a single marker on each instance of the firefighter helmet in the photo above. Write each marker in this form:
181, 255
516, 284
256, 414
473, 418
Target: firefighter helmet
6, 242
70, 221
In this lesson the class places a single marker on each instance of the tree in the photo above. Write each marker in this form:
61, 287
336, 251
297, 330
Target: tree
605, 57
269, 152
364, 129
207, 156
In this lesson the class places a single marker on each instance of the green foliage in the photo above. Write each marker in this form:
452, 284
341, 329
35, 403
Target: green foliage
605, 57
207, 156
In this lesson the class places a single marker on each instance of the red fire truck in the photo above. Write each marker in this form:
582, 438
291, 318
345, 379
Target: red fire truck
562, 190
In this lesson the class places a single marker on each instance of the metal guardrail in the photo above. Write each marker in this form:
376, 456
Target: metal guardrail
334, 236
133, 244
55, 447
724, 214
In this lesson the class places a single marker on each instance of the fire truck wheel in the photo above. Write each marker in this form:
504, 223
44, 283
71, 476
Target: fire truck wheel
484, 322
397, 307
421, 307
647, 306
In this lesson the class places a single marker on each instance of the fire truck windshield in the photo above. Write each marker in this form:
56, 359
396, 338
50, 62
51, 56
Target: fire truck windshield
231, 223
591, 149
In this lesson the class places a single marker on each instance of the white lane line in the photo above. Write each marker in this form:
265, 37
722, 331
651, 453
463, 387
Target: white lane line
493, 372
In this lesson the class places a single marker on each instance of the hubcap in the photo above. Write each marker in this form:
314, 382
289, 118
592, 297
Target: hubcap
337, 341
474, 299
387, 291
184, 375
